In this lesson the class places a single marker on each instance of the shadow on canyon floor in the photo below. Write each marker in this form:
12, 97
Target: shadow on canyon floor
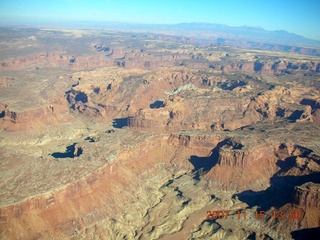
281, 188
202, 165
120, 122
70, 152
309, 233
157, 104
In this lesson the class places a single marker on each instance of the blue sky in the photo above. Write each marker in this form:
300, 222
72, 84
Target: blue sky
297, 16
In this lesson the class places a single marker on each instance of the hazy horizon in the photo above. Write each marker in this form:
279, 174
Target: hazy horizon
298, 17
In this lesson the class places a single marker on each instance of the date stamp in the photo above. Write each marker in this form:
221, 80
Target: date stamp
276, 215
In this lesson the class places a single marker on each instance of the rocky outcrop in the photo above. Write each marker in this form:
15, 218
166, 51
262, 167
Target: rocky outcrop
32, 118
307, 196
306, 200
149, 119
233, 157
303, 212
76, 96
78, 150
185, 140
240, 167
312, 110
272, 104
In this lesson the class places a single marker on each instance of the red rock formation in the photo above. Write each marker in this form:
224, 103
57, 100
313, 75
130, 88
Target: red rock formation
208, 142
149, 119
54, 112
266, 106
304, 210
307, 196
243, 168
312, 111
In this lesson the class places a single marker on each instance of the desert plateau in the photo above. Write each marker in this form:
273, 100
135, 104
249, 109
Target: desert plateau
108, 134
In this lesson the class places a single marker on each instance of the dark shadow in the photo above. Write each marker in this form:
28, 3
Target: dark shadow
274, 66
90, 139
257, 66
82, 97
252, 236
2, 114
157, 104
186, 202
232, 84
96, 90
206, 82
281, 188
308, 233
312, 103
68, 93
69, 153
292, 66
295, 115
203, 165
110, 131
120, 122
75, 84
286, 164
103, 49
280, 112
212, 66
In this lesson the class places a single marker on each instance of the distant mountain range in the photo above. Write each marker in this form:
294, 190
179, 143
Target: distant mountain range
247, 33
243, 36
212, 32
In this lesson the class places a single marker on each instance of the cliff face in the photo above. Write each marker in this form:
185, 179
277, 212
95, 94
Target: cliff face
23, 117
33, 118
306, 199
240, 167
233, 158
207, 142
307, 196
303, 211
149, 119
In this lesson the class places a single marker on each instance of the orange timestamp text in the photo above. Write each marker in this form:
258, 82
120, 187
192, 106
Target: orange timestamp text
277, 215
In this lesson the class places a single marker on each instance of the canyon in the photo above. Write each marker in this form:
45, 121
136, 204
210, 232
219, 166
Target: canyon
114, 135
